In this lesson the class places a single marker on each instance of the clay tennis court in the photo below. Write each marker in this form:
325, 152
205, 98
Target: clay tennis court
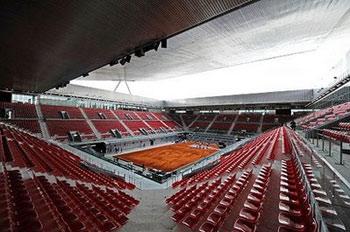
170, 157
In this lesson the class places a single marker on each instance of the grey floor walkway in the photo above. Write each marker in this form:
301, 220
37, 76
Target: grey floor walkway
152, 214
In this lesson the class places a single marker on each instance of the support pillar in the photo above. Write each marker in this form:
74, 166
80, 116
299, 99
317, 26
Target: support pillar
341, 154
322, 143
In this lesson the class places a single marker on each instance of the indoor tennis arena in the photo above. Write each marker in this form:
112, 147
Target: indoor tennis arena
175, 116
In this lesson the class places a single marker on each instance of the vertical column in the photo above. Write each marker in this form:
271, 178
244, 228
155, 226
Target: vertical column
322, 143
341, 154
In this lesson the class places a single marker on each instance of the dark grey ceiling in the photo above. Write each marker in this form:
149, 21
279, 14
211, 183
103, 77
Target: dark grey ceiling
45, 43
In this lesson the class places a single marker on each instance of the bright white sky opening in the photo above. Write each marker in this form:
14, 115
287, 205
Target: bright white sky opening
302, 71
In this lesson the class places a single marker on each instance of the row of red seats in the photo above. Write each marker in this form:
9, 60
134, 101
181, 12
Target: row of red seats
197, 212
247, 122
210, 198
126, 115
344, 125
206, 117
220, 126
206, 207
173, 125
23, 209
180, 194
136, 125
250, 214
337, 135
51, 111
246, 117
175, 117
162, 116
104, 126
61, 128
223, 205
31, 125
275, 142
226, 118
184, 203
38, 205
147, 116
270, 118
265, 147
93, 113
24, 150
249, 127
83, 209
199, 124
286, 144
188, 118
323, 116
256, 149
276, 119
20, 110
157, 125
295, 210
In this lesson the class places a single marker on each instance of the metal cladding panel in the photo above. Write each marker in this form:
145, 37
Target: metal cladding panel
263, 30
99, 94
46, 43
293, 96
268, 98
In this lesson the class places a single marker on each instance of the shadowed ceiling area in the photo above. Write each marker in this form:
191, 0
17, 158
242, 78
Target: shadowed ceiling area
47, 43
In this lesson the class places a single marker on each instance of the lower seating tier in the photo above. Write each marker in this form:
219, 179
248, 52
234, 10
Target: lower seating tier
32, 125
25, 151
36, 204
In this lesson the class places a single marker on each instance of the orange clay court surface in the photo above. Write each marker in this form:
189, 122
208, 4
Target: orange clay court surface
170, 157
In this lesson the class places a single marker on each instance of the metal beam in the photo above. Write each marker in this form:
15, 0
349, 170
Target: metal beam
115, 89
127, 86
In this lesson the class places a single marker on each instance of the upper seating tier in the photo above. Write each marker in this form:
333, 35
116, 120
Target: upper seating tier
226, 117
51, 111
324, 116
78, 119
253, 117
92, 113
145, 115
126, 115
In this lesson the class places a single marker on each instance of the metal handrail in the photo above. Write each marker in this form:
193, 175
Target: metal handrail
314, 205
